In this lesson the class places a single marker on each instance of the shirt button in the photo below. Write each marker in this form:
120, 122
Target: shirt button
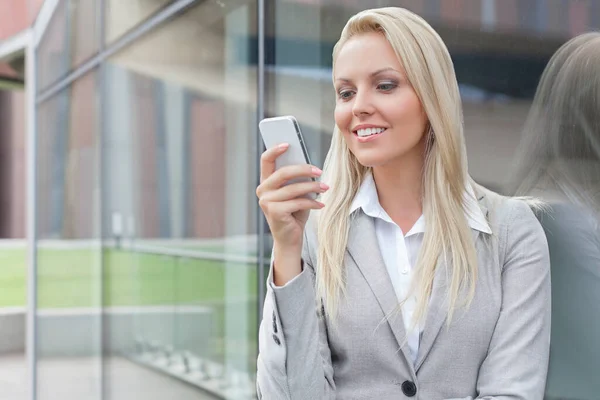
405, 271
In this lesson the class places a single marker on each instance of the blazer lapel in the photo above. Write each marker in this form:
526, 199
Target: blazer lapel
364, 250
437, 311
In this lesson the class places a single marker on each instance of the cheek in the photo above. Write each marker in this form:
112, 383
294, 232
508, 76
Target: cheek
343, 116
407, 111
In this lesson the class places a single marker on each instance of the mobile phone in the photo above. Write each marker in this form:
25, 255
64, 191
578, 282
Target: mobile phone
286, 129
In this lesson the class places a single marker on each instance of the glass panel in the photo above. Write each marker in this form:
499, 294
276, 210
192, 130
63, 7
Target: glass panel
13, 249
52, 54
121, 16
180, 173
84, 30
70, 39
68, 251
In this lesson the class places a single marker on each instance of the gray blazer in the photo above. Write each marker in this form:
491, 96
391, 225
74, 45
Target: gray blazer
496, 349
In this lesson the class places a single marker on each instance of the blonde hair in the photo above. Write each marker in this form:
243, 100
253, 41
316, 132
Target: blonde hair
430, 71
560, 148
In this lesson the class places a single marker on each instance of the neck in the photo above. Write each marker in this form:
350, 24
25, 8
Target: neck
400, 189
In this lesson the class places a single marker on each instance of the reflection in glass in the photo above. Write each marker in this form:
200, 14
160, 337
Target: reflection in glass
52, 50
83, 30
70, 39
68, 248
121, 15
179, 210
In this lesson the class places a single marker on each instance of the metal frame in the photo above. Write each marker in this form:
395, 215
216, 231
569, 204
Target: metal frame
25, 42
101, 109
43, 20
118, 45
15, 44
260, 114
31, 327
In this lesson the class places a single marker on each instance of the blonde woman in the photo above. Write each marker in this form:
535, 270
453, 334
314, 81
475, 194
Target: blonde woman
409, 281
560, 162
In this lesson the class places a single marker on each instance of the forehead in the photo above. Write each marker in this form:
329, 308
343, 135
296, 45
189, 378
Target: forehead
365, 53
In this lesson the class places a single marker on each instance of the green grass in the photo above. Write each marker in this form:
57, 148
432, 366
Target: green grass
74, 278
12, 277
82, 278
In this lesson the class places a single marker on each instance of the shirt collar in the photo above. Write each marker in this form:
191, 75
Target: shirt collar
367, 199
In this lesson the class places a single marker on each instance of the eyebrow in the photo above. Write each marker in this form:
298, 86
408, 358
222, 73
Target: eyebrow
379, 71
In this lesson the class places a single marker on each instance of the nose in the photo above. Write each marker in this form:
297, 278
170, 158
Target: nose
363, 104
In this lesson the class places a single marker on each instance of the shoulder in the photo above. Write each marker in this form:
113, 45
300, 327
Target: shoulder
509, 213
514, 223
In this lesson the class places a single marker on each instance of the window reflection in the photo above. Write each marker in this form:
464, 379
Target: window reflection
121, 16
179, 215
69, 283
71, 39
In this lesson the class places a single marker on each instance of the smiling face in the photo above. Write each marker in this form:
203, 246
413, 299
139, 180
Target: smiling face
377, 110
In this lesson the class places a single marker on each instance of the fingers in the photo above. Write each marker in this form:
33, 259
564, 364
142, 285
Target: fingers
279, 210
295, 190
272, 180
267, 160
291, 172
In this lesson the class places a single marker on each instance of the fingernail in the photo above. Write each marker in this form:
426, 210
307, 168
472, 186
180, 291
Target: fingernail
316, 171
321, 204
324, 186
283, 146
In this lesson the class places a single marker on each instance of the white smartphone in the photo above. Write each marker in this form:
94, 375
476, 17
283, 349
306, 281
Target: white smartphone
277, 130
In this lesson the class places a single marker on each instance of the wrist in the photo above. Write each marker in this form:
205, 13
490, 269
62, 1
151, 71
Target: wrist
287, 250
287, 264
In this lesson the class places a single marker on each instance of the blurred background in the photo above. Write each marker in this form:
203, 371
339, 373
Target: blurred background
133, 253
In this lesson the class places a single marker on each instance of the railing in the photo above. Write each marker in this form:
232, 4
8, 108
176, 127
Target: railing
212, 377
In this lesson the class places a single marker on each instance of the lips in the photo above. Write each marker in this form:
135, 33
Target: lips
369, 138
365, 132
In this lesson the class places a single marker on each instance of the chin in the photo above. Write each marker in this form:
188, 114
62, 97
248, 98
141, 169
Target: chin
370, 160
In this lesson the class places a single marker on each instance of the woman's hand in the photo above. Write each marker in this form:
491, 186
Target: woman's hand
286, 208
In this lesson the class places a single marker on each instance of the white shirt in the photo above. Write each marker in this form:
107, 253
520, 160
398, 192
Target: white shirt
400, 251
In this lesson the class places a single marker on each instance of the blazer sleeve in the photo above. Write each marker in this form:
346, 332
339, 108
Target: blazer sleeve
294, 360
516, 365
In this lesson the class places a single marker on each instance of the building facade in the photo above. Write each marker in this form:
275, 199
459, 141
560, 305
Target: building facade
148, 248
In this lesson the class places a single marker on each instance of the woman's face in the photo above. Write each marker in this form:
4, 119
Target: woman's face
377, 110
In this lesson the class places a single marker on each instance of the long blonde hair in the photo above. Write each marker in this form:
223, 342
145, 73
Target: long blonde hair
430, 71
560, 147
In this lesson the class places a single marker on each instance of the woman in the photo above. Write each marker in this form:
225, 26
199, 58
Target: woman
425, 284
560, 162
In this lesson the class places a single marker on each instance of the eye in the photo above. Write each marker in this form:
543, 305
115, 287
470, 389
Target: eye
345, 94
387, 86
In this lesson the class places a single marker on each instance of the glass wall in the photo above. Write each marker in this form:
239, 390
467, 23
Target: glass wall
122, 16
147, 221
72, 37
179, 173
69, 259
147, 218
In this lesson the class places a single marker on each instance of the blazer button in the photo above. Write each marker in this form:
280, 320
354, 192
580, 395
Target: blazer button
409, 388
